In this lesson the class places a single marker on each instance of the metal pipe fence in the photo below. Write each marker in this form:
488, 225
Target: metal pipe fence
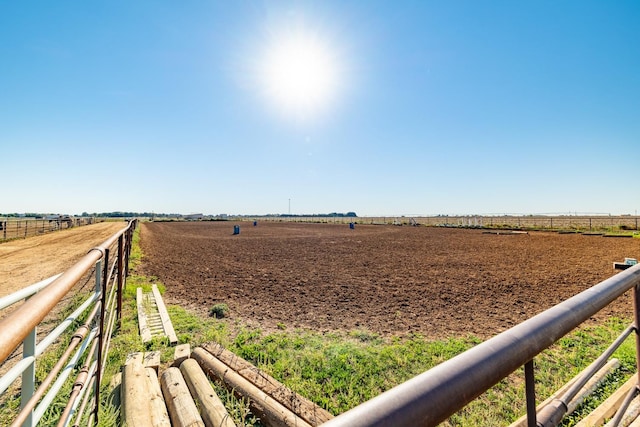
435, 395
99, 312
18, 228
542, 222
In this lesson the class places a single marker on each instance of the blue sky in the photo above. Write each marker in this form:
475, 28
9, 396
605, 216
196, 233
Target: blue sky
436, 107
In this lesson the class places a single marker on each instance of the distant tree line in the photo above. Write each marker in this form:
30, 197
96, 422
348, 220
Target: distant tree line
29, 215
120, 214
115, 214
21, 215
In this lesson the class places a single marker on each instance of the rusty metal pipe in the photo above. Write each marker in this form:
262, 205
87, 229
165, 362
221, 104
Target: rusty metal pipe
78, 385
77, 338
85, 399
615, 422
120, 282
553, 413
530, 389
110, 329
28, 315
636, 322
101, 338
31, 313
75, 391
436, 394
597, 364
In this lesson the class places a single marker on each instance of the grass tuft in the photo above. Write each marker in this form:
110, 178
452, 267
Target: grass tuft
219, 310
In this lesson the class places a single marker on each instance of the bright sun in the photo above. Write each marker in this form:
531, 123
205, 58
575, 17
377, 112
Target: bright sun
300, 75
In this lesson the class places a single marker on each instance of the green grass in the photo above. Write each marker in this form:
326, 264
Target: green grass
339, 371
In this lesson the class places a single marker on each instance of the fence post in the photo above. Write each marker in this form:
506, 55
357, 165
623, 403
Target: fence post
529, 380
29, 375
120, 279
98, 287
98, 275
636, 314
101, 337
128, 249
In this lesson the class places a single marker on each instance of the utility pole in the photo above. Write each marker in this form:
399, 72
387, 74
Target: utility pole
289, 206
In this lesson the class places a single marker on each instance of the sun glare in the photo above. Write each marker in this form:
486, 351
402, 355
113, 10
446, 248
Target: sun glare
300, 75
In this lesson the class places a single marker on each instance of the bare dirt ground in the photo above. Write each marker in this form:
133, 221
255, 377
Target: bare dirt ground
437, 282
27, 261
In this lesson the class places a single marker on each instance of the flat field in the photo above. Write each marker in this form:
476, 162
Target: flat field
391, 280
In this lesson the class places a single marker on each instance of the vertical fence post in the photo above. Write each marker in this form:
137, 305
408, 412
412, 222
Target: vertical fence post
529, 379
98, 288
29, 375
101, 332
120, 279
98, 275
128, 250
636, 314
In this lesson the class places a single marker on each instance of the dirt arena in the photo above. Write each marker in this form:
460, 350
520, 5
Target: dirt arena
389, 280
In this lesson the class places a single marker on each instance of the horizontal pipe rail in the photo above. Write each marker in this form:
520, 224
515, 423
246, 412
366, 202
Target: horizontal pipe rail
11, 375
80, 335
554, 412
78, 387
26, 292
436, 394
86, 393
68, 369
26, 317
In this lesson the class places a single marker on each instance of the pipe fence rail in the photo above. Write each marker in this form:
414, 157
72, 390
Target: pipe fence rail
17, 228
550, 222
433, 396
89, 343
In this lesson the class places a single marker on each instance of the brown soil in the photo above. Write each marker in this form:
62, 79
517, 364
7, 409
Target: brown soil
26, 261
390, 280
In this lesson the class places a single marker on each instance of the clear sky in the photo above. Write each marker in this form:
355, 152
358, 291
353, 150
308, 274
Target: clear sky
378, 107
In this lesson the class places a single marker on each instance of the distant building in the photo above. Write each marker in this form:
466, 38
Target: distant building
194, 217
